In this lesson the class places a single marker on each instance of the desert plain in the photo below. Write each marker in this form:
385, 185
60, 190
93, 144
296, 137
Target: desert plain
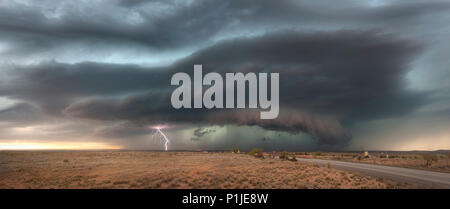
177, 170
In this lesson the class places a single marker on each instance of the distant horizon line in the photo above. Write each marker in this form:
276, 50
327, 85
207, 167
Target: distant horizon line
218, 150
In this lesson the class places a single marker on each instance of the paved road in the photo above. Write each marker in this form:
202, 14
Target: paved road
428, 178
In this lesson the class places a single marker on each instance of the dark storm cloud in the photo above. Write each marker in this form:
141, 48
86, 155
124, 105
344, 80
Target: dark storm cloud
171, 24
122, 130
199, 132
326, 78
82, 79
32, 30
20, 114
336, 72
330, 78
54, 86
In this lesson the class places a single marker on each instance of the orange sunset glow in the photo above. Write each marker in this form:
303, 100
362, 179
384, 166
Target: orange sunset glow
31, 145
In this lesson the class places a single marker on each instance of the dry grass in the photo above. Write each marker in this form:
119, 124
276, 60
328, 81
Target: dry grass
406, 160
171, 170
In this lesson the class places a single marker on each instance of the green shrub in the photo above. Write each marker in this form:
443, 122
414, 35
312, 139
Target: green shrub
284, 155
257, 152
448, 157
288, 156
235, 150
429, 159
318, 153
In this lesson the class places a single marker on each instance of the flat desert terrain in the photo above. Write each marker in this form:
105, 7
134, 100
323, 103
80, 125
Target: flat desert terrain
143, 170
431, 161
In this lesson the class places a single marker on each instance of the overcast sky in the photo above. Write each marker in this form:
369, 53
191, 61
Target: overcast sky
353, 74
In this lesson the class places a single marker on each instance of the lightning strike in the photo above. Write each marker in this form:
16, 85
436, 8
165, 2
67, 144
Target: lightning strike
158, 131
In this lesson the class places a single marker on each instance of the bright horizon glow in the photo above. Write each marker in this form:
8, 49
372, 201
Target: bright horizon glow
440, 142
19, 145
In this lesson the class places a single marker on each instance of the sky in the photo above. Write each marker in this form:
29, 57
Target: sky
354, 75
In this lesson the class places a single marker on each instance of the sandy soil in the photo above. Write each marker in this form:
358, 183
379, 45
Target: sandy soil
171, 170
406, 160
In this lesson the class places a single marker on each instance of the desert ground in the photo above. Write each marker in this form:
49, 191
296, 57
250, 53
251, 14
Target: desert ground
142, 170
432, 160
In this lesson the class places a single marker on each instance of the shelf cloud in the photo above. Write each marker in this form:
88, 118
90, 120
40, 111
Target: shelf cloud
109, 64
